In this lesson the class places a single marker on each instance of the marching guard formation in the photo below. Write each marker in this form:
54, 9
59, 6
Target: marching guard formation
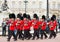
20, 27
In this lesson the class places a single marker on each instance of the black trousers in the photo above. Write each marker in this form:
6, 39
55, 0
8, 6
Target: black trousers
29, 34
11, 33
43, 33
36, 33
4, 31
52, 34
19, 34
25, 34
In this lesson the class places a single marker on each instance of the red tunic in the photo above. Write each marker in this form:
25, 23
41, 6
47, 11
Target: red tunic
35, 24
12, 26
26, 25
43, 25
52, 25
19, 25
29, 24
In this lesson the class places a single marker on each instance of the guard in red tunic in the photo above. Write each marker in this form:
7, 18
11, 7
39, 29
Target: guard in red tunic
35, 24
26, 28
54, 16
21, 29
25, 25
12, 28
29, 24
18, 27
43, 27
52, 26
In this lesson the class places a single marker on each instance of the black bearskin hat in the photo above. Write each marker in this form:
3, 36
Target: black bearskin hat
35, 16
28, 17
19, 16
12, 16
43, 17
54, 16
24, 15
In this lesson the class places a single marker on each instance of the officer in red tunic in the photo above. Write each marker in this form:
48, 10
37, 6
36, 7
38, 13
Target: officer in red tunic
52, 26
21, 29
35, 24
25, 26
29, 24
19, 26
54, 16
43, 27
12, 27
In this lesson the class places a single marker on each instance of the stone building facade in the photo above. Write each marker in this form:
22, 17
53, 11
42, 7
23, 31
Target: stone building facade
32, 6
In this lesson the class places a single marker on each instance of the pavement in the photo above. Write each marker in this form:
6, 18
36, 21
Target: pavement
57, 39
